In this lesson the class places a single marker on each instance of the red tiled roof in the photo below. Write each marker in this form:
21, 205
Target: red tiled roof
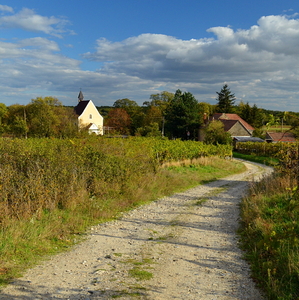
281, 137
224, 116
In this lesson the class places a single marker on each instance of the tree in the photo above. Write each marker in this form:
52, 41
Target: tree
252, 115
257, 117
272, 121
215, 134
19, 127
156, 108
134, 112
41, 117
15, 119
160, 100
128, 105
153, 115
205, 110
151, 130
244, 111
118, 121
225, 100
3, 112
67, 122
182, 116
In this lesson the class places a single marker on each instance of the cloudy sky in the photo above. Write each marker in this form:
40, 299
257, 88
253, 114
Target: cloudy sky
114, 49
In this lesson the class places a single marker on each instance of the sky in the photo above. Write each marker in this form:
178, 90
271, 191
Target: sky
115, 49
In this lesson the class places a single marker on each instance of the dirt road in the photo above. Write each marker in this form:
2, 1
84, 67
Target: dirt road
179, 247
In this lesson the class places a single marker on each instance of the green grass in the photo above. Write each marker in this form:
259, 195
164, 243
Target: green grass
139, 274
270, 236
269, 161
269, 231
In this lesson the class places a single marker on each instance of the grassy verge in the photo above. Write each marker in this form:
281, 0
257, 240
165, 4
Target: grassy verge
269, 161
269, 235
25, 242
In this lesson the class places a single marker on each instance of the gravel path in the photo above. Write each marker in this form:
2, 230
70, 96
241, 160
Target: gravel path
186, 242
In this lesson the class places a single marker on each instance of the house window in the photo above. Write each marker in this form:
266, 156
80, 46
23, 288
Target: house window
90, 116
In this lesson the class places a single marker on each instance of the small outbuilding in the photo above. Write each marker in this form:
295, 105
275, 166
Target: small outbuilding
275, 137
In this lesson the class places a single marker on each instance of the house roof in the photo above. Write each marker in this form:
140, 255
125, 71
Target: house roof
81, 107
280, 137
228, 124
247, 139
235, 117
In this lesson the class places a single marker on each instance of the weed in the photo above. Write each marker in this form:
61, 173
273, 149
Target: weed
117, 254
140, 274
201, 201
138, 263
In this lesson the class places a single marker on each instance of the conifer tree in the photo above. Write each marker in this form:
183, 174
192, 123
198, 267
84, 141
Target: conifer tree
225, 100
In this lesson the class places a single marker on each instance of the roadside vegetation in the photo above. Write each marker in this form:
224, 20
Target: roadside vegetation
266, 160
52, 190
270, 222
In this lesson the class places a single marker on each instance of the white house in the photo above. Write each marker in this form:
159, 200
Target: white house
88, 116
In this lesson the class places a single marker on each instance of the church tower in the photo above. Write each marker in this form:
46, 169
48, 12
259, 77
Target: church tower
80, 96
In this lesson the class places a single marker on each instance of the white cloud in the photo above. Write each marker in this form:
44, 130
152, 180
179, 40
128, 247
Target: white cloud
260, 58
27, 19
6, 8
260, 64
34, 67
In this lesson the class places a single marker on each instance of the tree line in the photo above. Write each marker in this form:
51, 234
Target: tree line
173, 115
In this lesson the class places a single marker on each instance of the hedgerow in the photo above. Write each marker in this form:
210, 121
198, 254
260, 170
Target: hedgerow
41, 175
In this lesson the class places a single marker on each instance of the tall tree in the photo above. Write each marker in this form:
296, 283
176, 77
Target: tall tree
160, 100
257, 117
156, 108
47, 117
128, 105
134, 112
118, 121
19, 127
16, 123
225, 100
41, 118
182, 116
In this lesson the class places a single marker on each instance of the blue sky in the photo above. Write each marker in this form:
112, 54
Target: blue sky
114, 49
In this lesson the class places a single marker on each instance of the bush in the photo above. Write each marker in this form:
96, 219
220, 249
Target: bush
40, 175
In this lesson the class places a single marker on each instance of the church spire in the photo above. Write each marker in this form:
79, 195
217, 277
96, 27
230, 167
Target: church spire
80, 96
